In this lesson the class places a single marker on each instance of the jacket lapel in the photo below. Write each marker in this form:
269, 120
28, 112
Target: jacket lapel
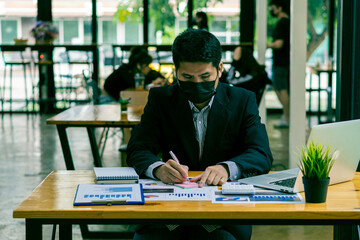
185, 127
217, 122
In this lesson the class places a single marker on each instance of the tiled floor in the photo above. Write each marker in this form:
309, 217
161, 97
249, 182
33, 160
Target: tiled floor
29, 150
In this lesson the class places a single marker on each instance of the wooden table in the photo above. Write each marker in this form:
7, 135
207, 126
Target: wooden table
52, 203
90, 117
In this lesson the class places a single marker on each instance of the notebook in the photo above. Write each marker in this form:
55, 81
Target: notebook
107, 175
108, 194
342, 137
187, 185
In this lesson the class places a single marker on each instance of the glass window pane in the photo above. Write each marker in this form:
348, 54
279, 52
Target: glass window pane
218, 26
222, 39
129, 18
161, 16
8, 30
182, 25
109, 32
132, 33
71, 31
87, 31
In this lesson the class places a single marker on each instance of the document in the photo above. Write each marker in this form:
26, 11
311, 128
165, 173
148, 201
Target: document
260, 196
170, 192
109, 194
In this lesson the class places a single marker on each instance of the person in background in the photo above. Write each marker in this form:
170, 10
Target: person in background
201, 21
124, 77
247, 73
281, 57
210, 127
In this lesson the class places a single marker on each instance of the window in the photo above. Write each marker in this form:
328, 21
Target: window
132, 33
71, 31
87, 31
109, 31
8, 31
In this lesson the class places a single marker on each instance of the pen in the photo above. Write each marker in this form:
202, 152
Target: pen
174, 157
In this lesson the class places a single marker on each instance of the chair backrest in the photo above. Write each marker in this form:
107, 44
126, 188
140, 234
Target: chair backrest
138, 97
91, 87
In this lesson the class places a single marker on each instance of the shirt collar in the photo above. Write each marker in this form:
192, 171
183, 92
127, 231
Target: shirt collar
194, 108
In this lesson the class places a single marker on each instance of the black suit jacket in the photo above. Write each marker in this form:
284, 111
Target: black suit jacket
234, 132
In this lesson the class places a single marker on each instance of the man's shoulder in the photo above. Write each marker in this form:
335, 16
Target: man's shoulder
165, 91
235, 91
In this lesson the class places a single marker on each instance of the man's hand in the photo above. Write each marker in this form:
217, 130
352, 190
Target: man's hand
172, 172
213, 175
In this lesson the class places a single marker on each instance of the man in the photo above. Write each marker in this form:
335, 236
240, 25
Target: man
281, 57
208, 125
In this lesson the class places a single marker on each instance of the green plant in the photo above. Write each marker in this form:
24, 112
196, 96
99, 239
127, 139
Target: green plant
314, 162
124, 101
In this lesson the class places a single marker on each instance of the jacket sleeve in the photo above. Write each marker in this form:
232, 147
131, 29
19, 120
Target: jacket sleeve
145, 141
255, 157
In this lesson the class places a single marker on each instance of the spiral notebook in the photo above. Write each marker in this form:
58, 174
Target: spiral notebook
107, 175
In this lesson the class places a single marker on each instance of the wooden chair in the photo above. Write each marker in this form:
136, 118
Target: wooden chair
137, 97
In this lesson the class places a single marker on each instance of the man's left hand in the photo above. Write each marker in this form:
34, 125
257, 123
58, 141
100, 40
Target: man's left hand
213, 175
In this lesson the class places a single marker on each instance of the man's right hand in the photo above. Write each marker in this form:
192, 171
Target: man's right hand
172, 172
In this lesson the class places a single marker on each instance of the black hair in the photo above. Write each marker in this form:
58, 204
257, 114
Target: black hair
195, 45
284, 4
204, 20
139, 55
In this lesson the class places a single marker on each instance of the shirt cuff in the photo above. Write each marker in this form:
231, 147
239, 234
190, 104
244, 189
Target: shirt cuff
149, 171
234, 170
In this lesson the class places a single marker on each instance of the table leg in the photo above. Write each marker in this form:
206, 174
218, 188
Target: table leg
33, 230
319, 100
65, 147
329, 91
346, 232
94, 147
65, 231
310, 92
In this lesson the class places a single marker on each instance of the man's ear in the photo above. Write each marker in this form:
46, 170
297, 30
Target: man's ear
220, 69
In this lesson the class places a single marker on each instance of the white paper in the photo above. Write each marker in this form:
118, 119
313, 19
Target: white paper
179, 194
88, 193
260, 196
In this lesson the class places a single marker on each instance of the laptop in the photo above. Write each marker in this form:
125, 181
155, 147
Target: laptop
342, 137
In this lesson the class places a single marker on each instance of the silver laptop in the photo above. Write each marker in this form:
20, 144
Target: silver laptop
342, 137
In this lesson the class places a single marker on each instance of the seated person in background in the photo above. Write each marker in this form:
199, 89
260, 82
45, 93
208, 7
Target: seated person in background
246, 72
210, 127
201, 21
124, 77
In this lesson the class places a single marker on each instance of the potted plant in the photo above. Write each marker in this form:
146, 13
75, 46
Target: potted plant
124, 103
315, 164
44, 32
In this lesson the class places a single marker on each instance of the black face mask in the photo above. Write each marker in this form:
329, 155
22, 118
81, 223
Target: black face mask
197, 92
272, 13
